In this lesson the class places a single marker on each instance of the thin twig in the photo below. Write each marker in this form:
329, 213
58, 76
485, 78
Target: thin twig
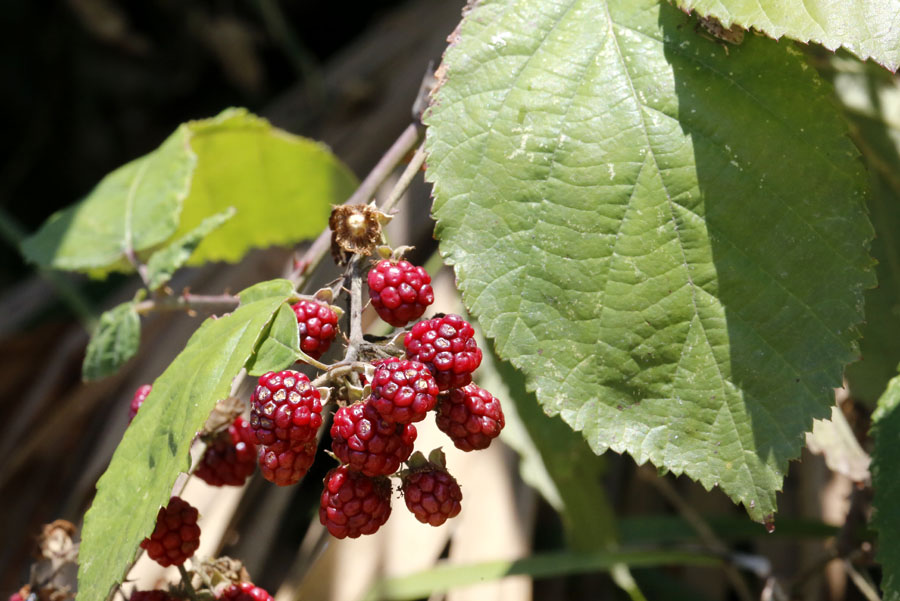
704, 531
406, 178
138, 266
188, 585
354, 272
862, 582
220, 303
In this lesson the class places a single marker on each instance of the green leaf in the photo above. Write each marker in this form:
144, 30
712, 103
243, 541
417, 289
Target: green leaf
886, 484
165, 262
115, 340
280, 348
453, 576
134, 207
620, 200
283, 186
867, 28
871, 99
155, 447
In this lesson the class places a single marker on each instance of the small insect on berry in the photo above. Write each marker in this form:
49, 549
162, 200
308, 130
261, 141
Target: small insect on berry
447, 346
400, 291
361, 438
244, 591
176, 535
230, 457
353, 504
471, 417
285, 407
140, 395
403, 391
317, 323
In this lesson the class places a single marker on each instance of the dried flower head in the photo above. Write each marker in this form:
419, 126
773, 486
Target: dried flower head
355, 229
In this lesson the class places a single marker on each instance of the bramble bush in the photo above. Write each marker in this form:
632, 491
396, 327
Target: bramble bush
678, 230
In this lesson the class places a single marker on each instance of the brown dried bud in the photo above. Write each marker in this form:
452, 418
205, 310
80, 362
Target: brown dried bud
355, 229
55, 541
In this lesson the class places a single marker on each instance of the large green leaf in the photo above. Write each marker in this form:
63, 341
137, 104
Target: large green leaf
670, 241
871, 99
133, 208
867, 28
115, 340
155, 447
885, 467
283, 186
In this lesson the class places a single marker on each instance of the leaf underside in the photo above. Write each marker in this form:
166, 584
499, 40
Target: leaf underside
867, 28
155, 447
115, 341
668, 238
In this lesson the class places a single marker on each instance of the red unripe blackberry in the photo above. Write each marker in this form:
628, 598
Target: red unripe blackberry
400, 291
353, 504
403, 391
432, 495
176, 535
156, 595
285, 407
367, 443
447, 346
285, 463
140, 395
230, 457
318, 326
471, 417
244, 591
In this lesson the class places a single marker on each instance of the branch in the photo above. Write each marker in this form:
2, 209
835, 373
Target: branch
221, 303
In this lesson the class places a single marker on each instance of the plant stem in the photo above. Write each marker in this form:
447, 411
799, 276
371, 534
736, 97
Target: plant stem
354, 272
415, 165
221, 303
186, 580
704, 531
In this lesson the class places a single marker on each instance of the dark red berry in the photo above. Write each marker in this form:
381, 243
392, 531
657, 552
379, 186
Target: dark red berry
447, 346
176, 535
400, 291
354, 504
230, 457
471, 417
432, 495
244, 591
318, 326
285, 463
403, 391
362, 439
285, 407
156, 595
140, 395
